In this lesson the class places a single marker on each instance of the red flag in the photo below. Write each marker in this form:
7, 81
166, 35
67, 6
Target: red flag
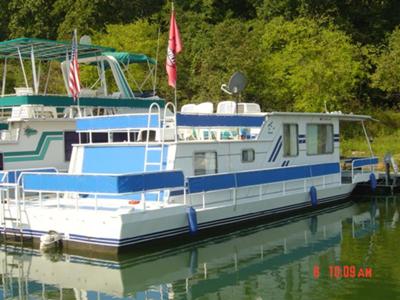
174, 47
73, 78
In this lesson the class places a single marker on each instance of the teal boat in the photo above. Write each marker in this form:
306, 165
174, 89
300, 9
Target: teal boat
37, 123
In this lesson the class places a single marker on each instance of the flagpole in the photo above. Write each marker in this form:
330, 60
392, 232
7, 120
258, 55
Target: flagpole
174, 47
175, 99
78, 98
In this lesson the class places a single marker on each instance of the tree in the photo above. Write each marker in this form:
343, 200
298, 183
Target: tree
31, 18
387, 74
212, 53
308, 63
366, 21
90, 16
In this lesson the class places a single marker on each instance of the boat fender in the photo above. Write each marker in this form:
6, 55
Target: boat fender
372, 181
192, 220
313, 196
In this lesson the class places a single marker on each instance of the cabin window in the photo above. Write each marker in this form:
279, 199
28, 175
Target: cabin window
319, 139
70, 138
248, 155
84, 137
1, 161
119, 137
290, 140
99, 137
205, 163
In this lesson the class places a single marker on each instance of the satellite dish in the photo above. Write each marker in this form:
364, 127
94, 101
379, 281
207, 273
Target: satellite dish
85, 40
236, 84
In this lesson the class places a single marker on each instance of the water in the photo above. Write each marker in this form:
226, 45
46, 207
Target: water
298, 258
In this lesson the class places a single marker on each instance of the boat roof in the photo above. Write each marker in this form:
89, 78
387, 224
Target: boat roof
47, 49
65, 101
127, 58
337, 115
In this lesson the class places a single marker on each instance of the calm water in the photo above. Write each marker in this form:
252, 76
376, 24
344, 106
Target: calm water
311, 257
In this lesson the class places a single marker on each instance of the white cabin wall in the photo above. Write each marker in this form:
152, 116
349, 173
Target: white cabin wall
229, 155
303, 158
229, 152
51, 152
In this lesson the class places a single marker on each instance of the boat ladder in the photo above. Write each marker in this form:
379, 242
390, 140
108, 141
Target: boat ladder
6, 215
155, 162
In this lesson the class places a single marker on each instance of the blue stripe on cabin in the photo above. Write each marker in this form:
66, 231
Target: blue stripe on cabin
241, 179
208, 120
273, 151
116, 122
121, 159
277, 152
365, 162
108, 184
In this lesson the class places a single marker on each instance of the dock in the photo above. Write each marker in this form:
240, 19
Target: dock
385, 186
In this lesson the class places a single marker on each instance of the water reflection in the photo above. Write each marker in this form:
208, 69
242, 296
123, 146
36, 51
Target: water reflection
267, 261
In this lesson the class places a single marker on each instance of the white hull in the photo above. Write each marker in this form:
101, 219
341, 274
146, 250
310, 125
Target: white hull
118, 227
141, 273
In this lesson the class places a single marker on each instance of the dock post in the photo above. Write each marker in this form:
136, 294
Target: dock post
387, 159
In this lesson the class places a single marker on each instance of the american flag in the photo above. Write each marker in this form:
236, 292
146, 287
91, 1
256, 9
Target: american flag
73, 78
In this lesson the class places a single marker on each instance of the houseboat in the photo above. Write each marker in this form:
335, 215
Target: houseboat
37, 112
163, 174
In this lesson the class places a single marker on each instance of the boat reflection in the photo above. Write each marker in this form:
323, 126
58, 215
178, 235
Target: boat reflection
264, 255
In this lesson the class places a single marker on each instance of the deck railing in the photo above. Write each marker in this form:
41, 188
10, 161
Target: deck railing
263, 183
305, 176
361, 168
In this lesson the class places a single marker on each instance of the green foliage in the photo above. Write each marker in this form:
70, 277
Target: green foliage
32, 18
308, 63
213, 53
366, 21
296, 54
94, 15
387, 75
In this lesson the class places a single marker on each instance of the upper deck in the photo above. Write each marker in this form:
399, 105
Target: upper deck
110, 88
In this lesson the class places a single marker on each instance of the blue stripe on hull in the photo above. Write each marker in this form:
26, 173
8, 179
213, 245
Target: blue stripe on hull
181, 230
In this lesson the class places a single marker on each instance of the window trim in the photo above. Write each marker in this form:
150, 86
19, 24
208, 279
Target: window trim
248, 161
333, 139
297, 139
205, 151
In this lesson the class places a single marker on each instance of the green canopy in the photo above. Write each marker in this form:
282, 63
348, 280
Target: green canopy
130, 58
46, 49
